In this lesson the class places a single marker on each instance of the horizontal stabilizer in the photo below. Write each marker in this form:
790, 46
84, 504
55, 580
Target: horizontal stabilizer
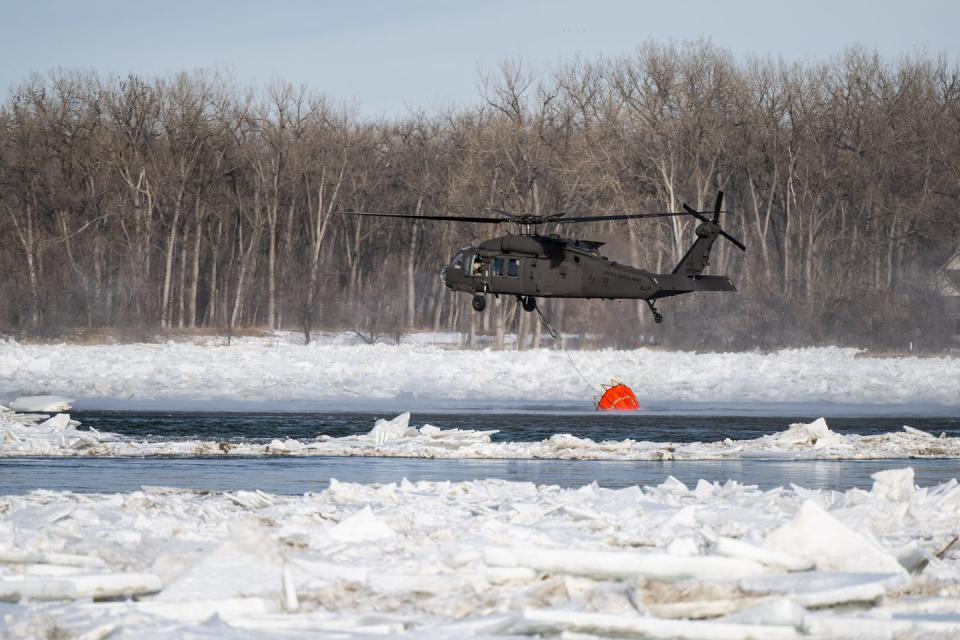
712, 283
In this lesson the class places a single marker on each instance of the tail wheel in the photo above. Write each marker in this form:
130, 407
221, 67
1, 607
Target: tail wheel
479, 303
657, 316
529, 303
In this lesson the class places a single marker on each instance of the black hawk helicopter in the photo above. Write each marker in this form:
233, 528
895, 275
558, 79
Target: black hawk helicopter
530, 265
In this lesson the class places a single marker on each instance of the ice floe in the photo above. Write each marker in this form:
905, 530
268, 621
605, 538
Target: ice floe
41, 404
484, 559
275, 370
39, 435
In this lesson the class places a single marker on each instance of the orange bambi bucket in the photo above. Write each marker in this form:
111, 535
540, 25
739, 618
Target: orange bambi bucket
618, 397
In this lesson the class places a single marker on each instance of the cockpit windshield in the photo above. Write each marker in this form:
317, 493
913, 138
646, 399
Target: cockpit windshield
457, 261
474, 265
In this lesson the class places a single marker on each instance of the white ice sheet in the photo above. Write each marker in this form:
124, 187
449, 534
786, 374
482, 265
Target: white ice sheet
486, 558
275, 369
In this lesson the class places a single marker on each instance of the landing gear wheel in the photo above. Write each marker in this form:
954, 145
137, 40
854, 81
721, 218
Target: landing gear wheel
529, 303
657, 316
479, 303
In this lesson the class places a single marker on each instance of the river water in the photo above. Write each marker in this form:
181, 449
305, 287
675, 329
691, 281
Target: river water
300, 475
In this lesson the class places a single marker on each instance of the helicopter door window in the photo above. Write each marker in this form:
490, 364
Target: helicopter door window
513, 268
498, 266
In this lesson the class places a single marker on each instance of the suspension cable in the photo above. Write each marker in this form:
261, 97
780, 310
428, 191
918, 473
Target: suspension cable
559, 338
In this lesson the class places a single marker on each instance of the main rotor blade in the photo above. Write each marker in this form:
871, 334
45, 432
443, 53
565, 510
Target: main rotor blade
693, 212
622, 216
729, 237
482, 220
716, 207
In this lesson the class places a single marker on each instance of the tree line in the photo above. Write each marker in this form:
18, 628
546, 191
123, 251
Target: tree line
152, 204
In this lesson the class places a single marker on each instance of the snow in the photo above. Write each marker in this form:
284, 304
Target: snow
38, 435
484, 559
276, 369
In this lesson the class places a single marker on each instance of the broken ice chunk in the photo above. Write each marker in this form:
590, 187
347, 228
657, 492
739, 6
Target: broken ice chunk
107, 585
739, 549
825, 588
622, 564
816, 433
42, 404
832, 545
552, 621
361, 526
893, 484
385, 430
918, 432
60, 421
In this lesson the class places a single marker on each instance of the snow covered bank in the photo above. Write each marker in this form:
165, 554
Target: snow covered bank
486, 558
37, 435
272, 370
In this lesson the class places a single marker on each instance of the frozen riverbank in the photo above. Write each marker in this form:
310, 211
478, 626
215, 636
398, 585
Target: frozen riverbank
32, 435
486, 558
278, 370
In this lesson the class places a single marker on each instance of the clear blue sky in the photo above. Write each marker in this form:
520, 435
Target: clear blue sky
388, 57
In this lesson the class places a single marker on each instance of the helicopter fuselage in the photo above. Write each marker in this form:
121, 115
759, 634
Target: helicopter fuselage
535, 266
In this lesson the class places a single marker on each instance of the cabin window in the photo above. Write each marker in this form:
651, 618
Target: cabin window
513, 268
477, 267
498, 266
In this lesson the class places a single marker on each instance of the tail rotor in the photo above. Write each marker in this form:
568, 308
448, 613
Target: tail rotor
716, 220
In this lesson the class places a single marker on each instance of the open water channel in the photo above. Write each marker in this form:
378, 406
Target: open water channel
299, 475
